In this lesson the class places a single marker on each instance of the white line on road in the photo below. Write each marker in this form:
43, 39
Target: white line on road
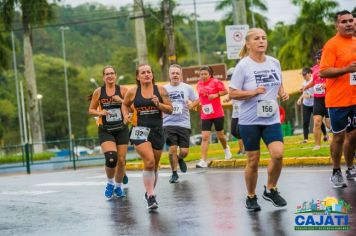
28, 193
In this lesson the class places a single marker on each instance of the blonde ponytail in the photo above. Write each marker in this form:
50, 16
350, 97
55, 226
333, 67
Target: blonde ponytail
243, 52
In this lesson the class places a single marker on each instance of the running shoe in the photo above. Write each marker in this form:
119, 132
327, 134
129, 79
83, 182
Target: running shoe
316, 147
119, 192
151, 202
174, 179
109, 191
326, 138
125, 179
351, 174
227, 152
251, 204
337, 180
182, 165
274, 197
201, 164
304, 141
240, 153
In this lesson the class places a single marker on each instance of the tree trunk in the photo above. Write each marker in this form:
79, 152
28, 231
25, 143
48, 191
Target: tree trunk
170, 46
140, 32
35, 125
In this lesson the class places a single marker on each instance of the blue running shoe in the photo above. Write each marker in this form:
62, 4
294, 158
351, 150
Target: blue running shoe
109, 191
125, 180
119, 192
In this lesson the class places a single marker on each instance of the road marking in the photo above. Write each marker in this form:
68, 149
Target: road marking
139, 175
71, 184
28, 193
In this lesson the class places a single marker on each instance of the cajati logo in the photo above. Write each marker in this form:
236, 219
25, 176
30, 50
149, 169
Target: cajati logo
327, 214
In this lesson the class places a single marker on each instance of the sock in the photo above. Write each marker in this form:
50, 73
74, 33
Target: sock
111, 181
118, 185
336, 170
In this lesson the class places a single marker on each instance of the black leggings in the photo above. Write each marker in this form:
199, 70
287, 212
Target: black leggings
307, 112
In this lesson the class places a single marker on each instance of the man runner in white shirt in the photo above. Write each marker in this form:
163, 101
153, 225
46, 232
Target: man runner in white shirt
177, 125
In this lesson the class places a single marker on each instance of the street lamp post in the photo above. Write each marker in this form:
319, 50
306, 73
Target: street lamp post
62, 29
39, 99
93, 81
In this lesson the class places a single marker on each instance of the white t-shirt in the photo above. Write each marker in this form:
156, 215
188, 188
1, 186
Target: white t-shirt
235, 108
248, 75
309, 102
179, 96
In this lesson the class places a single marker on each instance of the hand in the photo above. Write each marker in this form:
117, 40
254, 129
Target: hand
155, 100
117, 98
213, 96
103, 113
299, 102
127, 118
260, 90
284, 96
352, 67
302, 89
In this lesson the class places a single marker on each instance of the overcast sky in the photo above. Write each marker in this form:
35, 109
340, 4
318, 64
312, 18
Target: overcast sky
278, 10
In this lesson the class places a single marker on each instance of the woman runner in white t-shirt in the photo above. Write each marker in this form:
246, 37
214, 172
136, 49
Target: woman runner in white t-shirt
256, 82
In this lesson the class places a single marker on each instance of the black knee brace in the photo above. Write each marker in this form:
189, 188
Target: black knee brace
110, 159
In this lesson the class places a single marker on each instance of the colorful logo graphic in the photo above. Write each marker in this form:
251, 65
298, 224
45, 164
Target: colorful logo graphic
328, 214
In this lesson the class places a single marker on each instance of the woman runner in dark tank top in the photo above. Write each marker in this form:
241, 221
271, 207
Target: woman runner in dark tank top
149, 101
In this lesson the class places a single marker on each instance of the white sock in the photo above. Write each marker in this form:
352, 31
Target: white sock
118, 185
111, 181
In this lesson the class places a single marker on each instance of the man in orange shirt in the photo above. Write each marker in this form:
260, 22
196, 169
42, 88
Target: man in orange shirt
338, 66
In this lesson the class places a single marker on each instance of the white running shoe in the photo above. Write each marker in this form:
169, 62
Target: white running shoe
202, 164
315, 148
228, 154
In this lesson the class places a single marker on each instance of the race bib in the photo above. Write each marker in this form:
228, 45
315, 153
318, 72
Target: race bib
114, 115
353, 78
139, 133
208, 109
235, 107
177, 108
266, 108
319, 89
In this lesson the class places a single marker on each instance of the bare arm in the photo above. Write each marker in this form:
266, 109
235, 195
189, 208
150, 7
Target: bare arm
239, 94
126, 104
336, 72
166, 105
282, 94
309, 85
94, 103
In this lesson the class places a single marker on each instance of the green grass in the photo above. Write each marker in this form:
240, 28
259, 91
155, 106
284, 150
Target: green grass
7, 159
292, 148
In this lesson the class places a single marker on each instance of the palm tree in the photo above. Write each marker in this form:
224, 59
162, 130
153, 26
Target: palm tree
33, 12
308, 34
157, 39
260, 20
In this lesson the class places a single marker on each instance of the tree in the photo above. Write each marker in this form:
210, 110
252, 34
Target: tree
157, 40
252, 15
33, 12
308, 34
5, 48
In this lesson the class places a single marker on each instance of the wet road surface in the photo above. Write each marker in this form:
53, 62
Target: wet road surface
205, 202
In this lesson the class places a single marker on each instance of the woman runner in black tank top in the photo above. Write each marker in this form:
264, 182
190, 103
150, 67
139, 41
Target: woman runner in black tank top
114, 120
149, 102
106, 103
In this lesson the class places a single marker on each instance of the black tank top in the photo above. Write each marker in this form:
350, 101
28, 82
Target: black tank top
148, 115
114, 108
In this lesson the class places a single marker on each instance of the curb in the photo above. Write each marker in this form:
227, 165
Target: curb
238, 163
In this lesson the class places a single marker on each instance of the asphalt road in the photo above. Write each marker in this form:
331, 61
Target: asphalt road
205, 202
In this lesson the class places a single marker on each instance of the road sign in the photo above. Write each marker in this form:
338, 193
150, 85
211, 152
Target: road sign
235, 39
191, 73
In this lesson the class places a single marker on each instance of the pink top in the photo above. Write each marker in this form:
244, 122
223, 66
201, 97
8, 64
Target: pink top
319, 83
210, 108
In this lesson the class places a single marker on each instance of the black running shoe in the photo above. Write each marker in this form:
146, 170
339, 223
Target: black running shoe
151, 202
251, 204
125, 179
274, 197
174, 179
182, 165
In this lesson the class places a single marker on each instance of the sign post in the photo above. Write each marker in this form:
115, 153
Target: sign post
235, 39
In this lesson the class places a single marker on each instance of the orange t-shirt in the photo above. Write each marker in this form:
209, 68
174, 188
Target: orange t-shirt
339, 52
